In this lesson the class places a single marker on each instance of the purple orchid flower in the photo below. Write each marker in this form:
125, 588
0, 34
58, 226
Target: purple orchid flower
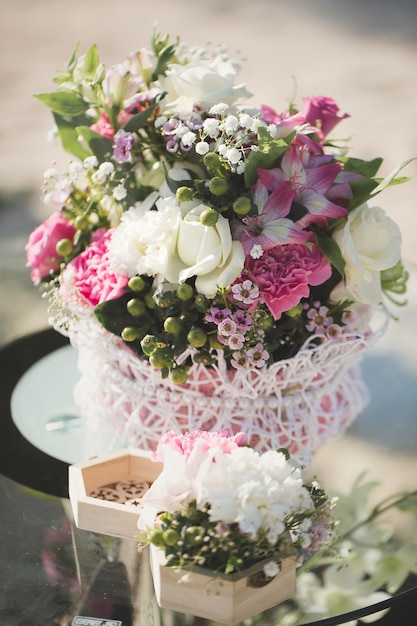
270, 227
309, 185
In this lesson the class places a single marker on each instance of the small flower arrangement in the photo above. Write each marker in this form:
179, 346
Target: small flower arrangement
190, 222
220, 505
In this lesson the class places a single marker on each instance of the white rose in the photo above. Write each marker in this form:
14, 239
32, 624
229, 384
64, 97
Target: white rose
208, 83
370, 242
175, 246
208, 252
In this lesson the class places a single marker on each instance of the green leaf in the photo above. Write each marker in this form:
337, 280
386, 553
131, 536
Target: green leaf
331, 251
101, 146
139, 120
163, 61
91, 61
64, 102
73, 59
362, 191
113, 315
358, 166
408, 503
69, 137
390, 179
269, 152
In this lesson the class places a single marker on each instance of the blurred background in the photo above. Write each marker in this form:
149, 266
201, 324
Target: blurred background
362, 53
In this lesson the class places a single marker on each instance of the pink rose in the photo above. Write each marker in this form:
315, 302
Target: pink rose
284, 275
41, 252
91, 274
322, 113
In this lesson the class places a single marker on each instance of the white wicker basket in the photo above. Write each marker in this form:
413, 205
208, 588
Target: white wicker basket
298, 403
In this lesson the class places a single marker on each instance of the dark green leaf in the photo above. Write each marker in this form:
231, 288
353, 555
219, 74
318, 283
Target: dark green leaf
163, 61
113, 315
64, 102
358, 166
331, 251
362, 191
101, 146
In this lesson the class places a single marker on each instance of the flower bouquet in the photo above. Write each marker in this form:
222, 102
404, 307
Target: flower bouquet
216, 265
227, 525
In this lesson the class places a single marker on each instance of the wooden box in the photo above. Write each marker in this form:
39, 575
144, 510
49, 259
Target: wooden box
225, 599
105, 491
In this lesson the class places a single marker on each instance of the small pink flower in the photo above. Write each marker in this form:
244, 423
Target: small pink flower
91, 274
41, 252
285, 273
246, 292
103, 126
257, 356
236, 341
319, 320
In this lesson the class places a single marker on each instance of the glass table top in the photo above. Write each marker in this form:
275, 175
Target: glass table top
52, 572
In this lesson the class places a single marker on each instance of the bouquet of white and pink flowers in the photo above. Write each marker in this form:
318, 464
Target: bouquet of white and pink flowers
216, 264
224, 507
191, 223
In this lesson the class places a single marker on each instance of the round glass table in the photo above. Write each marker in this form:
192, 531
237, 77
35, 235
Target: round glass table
55, 574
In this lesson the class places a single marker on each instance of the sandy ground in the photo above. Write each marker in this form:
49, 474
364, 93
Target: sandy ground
363, 54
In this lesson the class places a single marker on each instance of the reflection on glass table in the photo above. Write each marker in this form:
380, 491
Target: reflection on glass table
52, 571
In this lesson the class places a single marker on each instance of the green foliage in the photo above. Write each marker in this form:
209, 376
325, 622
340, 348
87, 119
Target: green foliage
64, 102
331, 251
99, 145
394, 283
270, 150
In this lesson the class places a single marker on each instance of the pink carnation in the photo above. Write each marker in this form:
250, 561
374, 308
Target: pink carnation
41, 252
284, 275
185, 443
323, 113
91, 274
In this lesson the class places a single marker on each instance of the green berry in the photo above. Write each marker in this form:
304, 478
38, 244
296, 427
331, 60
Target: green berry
179, 375
201, 303
170, 537
81, 222
157, 538
163, 299
129, 333
148, 344
211, 160
149, 301
158, 359
172, 325
242, 205
136, 283
196, 337
64, 247
184, 194
218, 186
136, 307
185, 291
209, 217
